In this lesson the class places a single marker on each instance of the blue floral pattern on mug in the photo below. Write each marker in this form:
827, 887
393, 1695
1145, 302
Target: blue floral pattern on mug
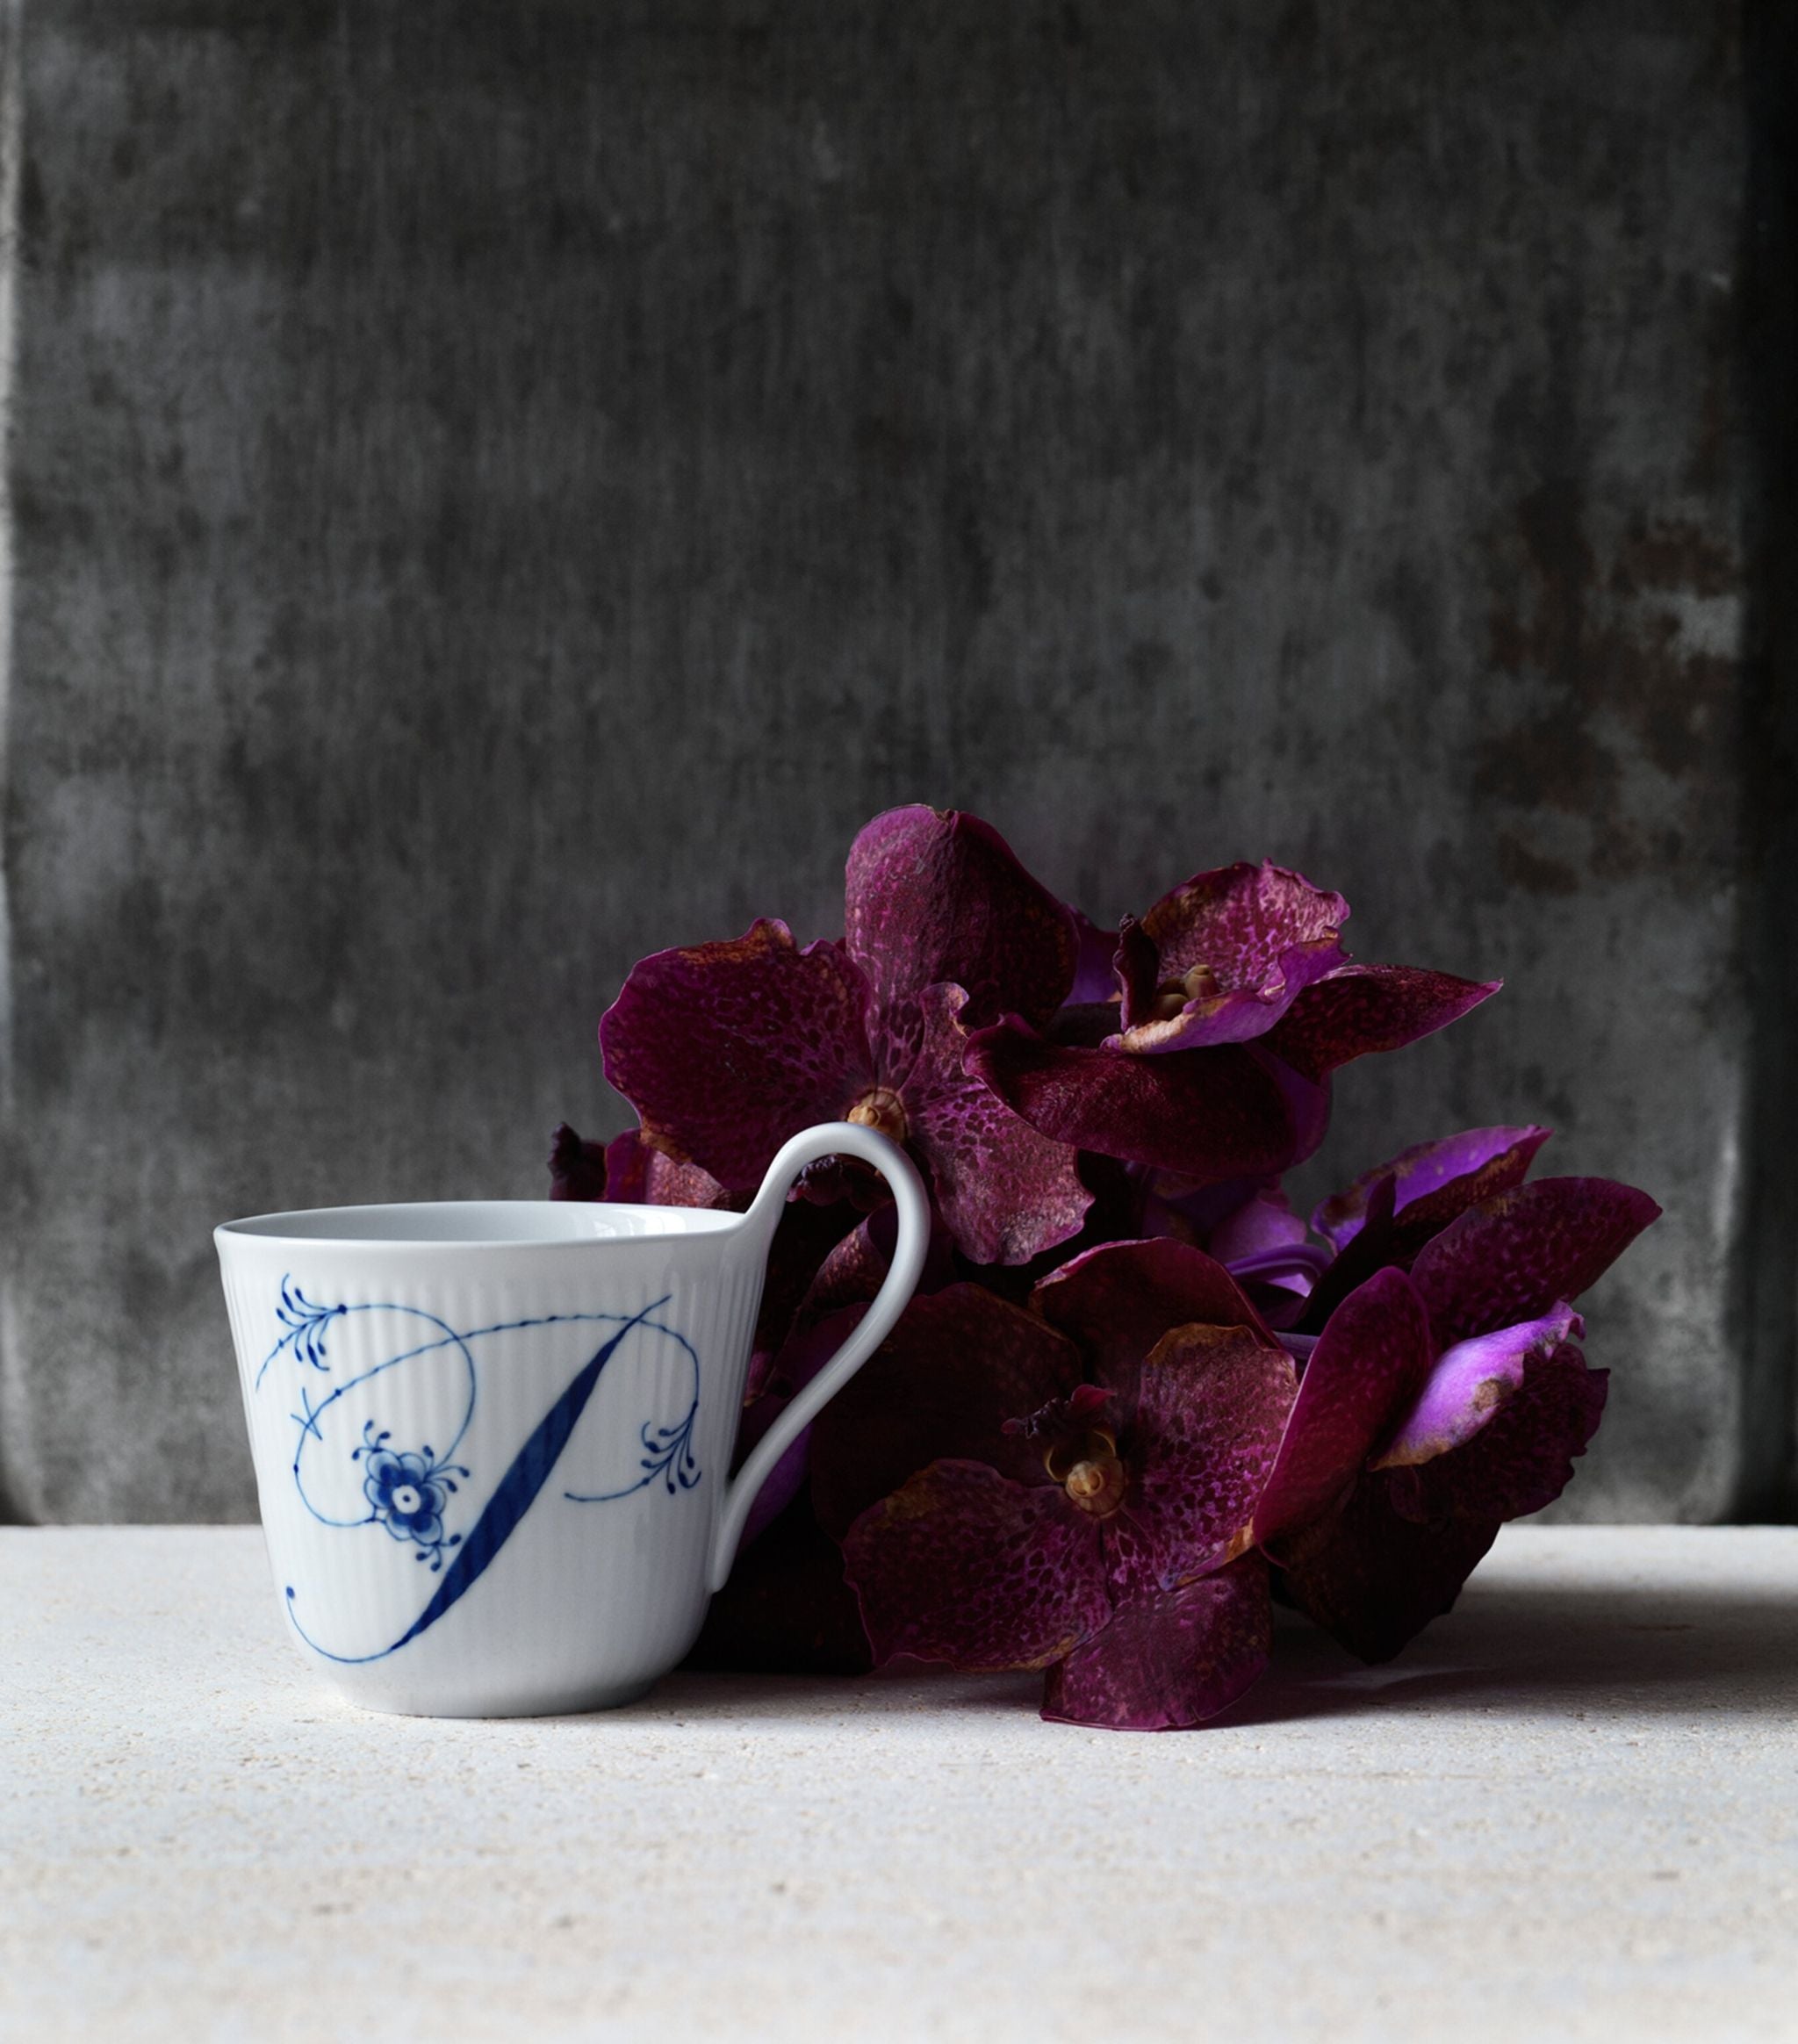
408, 1492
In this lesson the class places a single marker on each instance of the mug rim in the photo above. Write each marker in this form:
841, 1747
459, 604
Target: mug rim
665, 1224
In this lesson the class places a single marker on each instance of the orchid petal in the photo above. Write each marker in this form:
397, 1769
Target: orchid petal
1467, 1386
1373, 1579
1171, 1660
1524, 1459
936, 895
1118, 1300
639, 1175
1515, 1256
1367, 1369
726, 1050
1255, 936
963, 1565
1211, 1405
1006, 1191
1434, 1181
1210, 1114
1357, 1009
1396, 1555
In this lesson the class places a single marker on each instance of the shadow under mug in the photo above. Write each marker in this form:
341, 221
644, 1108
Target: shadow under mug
492, 1439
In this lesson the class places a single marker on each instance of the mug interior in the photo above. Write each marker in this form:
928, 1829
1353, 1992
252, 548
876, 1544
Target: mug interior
473, 1223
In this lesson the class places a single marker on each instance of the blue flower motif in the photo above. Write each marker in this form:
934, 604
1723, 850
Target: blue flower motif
406, 1492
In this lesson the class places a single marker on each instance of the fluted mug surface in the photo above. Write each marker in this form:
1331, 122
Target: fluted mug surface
492, 1439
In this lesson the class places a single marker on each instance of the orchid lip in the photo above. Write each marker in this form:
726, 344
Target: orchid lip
1198, 982
1089, 1470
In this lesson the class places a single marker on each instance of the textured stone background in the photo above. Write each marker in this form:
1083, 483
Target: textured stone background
495, 491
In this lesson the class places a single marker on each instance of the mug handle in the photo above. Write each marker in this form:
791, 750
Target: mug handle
829, 1139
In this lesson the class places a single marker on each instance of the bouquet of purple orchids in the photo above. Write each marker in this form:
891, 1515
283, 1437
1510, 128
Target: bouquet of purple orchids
1137, 1397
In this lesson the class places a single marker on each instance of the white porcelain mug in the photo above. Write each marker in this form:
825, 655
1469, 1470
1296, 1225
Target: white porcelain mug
491, 1438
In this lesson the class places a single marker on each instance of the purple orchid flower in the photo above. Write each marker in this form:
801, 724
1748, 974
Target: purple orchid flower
1246, 964
1223, 957
1096, 1470
727, 1049
1435, 1406
1388, 1214
1067, 1488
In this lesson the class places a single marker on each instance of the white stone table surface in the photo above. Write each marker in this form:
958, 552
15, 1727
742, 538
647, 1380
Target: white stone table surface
1570, 1811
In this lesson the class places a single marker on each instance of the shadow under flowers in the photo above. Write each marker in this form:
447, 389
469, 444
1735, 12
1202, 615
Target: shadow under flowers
1542, 1651
1553, 1650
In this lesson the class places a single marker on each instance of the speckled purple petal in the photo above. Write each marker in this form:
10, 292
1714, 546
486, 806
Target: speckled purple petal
1265, 933
965, 1567
959, 1364
1209, 1114
1467, 1384
1357, 1009
1006, 1191
1368, 1368
1373, 1579
1434, 1181
637, 1175
1524, 1459
1242, 919
1515, 1256
1244, 923
936, 894
1210, 1408
1118, 1300
725, 1050
1171, 1660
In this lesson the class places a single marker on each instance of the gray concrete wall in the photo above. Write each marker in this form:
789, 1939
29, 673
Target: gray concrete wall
495, 491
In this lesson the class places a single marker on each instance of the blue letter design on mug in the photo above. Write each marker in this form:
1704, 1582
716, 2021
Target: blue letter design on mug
349, 1475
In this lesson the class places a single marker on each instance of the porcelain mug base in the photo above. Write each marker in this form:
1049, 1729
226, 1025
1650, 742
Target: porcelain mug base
572, 1704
